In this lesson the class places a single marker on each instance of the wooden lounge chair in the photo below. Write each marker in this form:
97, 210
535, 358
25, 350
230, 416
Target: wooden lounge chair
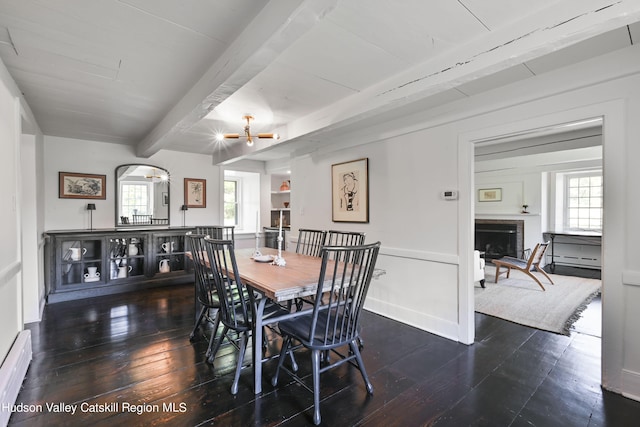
526, 266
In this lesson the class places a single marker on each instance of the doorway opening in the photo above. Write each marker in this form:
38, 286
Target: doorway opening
531, 169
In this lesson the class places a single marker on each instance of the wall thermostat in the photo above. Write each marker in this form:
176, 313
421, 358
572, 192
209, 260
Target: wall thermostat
449, 195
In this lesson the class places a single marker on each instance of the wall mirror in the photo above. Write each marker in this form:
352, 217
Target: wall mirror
142, 195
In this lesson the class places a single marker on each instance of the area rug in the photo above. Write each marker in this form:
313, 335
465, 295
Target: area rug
519, 299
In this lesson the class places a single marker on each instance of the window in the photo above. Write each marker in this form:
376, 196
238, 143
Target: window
231, 198
241, 199
135, 199
583, 201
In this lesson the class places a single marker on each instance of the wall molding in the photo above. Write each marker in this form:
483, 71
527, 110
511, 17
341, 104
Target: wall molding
631, 277
10, 271
12, 373
439, 257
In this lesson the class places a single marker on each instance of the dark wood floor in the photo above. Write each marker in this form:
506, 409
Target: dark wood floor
133, 349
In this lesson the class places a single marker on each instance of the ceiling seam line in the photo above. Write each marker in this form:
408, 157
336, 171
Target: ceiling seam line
474, 15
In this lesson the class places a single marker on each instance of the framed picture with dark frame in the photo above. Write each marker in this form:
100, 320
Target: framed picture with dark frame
195, 193
165, 199
350, 191
490, 195
73, 185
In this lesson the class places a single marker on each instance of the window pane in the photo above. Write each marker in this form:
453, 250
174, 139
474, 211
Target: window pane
584, 201
135, 199
230, 202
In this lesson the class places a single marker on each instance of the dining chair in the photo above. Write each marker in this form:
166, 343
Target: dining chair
237, 303
525, 265
206, 293
344, 238
310, 241
333, 322
223, 232
141, 219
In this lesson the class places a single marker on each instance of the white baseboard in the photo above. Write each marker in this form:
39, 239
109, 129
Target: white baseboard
12, 373
431, 324
631, 384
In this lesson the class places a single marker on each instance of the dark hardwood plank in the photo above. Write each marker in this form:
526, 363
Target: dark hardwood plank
133, 349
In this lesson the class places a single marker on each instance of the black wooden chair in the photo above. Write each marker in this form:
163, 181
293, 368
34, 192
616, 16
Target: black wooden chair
333, 322
236, 302
141, 219
206, 293
310, 241
222, 232
344, 238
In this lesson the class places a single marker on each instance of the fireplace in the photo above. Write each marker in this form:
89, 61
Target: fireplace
498, 238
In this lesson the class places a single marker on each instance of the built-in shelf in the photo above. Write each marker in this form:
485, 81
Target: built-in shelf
88, 263
278, 200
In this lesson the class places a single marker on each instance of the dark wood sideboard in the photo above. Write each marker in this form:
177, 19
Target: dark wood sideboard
89, 263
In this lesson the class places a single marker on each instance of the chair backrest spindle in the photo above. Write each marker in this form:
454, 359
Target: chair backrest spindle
221, 232
310, 241
336, 318
205, 288
234, 299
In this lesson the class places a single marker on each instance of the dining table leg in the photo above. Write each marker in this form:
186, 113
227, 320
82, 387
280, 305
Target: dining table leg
257, 345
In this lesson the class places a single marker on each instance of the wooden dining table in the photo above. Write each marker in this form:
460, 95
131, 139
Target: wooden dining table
298, 278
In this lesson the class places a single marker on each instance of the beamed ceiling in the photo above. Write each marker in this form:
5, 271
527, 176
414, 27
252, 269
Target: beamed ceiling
166, 74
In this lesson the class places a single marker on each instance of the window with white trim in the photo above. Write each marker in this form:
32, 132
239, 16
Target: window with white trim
241, 200
583, 201
231, 199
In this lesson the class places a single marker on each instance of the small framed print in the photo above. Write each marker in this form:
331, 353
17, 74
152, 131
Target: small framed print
350, 191
490, 195
81, 186
195, 193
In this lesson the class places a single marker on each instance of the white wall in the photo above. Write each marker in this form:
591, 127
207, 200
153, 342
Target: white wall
15, 341
418, 230
31, 174
516, 190
423, 236
103, 158
10, 250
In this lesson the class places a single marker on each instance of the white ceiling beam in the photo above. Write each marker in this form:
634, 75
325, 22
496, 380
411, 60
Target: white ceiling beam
565, 24
279, 24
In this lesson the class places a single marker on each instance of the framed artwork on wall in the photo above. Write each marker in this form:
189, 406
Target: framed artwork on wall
490, 195
195, 193
350, 191
81, 186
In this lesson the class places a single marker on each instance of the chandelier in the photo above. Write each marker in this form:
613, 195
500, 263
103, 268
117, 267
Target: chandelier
247, 133
154, 177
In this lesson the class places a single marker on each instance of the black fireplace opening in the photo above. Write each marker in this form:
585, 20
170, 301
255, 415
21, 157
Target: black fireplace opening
498, 239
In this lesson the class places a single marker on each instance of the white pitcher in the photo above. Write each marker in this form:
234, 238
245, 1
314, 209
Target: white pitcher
76, 254
133, 249
164, 266
124, 271
167, 246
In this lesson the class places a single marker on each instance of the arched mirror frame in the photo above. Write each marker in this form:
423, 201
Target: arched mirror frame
158, 209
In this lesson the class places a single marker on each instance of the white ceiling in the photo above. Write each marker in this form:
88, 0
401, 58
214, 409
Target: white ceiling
166, 74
